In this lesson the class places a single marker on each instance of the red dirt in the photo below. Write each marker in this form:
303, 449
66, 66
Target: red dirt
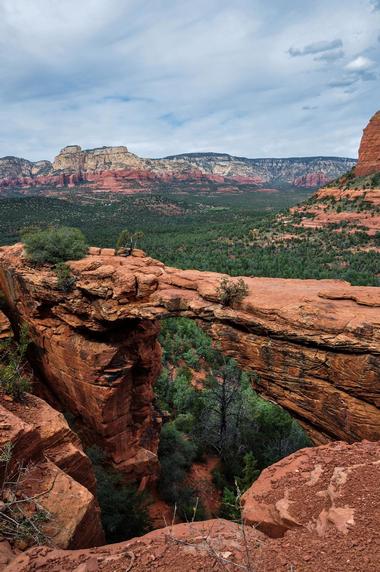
200, 478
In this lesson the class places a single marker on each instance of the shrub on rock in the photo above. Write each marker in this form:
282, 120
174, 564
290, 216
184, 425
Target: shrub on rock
231, 292
54, 245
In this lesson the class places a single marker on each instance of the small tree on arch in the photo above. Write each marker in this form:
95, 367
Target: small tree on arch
128, 240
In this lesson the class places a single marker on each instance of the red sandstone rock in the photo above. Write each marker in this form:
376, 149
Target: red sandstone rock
320, 214
323, 501
5, 328
74, 519
201, 546
315, 345
369, 151
40, 436
55, 439
313, 489
311, 180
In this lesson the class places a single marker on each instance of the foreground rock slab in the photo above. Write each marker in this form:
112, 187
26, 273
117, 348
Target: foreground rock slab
319, 490
324, 499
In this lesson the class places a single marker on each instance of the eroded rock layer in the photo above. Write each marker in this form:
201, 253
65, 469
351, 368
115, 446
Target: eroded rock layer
357, 209
314, 344
318, 509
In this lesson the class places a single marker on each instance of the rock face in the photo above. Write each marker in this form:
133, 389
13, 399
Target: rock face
318, 509
101, 371
5, 327
116, 169
369, 151
315, 345
312, 180
201, 546
60, 473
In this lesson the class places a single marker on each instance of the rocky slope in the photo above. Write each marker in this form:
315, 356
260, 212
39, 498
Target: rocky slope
116, 169
49, 461
317, 510
352, 202
349, 208
315, 345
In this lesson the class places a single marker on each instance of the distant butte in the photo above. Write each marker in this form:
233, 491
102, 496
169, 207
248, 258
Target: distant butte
369, 151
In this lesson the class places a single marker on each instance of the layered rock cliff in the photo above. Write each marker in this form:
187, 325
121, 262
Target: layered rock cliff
317, 510
117, 169
369, 151
315, 345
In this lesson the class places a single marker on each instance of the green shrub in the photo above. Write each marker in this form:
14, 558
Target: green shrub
123, 509
13, 379
250, 472
184, 422
231, 292
230, 508
65, 279
219, 479
54, 245
176, 454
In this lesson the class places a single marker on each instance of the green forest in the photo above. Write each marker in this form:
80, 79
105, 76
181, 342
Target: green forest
238, 234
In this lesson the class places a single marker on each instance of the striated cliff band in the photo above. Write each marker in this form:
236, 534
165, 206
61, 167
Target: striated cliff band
314, 345
116, 169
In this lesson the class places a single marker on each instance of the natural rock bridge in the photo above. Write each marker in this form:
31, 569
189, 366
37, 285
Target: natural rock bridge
315, 345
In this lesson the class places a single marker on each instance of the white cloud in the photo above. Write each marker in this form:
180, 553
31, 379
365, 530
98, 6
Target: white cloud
360, 63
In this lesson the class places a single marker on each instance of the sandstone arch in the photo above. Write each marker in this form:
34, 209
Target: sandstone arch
314, 344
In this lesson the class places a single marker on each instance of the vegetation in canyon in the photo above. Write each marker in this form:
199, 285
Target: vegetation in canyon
214, 411
123, 509
14, 380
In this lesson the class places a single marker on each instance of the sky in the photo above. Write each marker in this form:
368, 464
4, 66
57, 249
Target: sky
253, 78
